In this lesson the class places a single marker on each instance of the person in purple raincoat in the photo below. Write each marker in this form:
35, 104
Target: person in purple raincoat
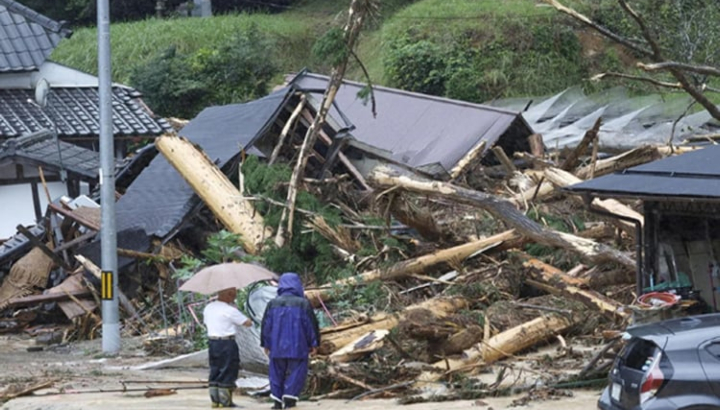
289, 335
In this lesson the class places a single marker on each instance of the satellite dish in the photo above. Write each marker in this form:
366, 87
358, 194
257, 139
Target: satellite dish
42, 89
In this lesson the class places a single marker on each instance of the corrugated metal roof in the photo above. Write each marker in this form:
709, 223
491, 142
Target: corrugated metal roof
419, 130
159, 198
74, 111
41, 148
695, 174
27, 38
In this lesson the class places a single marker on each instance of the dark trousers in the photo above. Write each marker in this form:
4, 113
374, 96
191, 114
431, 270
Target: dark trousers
287, 377
224, 363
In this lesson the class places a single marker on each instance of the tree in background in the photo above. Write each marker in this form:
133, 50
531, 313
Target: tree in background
678, 37
237, 70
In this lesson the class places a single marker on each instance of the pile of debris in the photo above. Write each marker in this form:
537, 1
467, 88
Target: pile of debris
475, 253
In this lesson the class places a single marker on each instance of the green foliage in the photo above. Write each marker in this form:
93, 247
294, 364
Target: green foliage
308, 253
516, 58
687, 30
188, 266
222, 247
418, 66
138, 43
169, 85
237, 70
331, 47
366, 297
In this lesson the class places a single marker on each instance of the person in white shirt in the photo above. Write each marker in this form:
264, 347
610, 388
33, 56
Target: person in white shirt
222, 319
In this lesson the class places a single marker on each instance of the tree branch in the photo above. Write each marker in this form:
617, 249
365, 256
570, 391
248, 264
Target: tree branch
653, 81
602, 30
673, 65
647, 34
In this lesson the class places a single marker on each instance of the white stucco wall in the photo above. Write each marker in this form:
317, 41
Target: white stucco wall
17, 205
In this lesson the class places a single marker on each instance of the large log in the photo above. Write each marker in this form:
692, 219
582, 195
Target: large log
552, 280
440, 307
216, 190
590, 298
504, 344
521, 337
562, 178
408, 267
637, 156
549, 271
589, 250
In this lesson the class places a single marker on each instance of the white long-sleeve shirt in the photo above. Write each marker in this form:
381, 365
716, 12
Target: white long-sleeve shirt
222, 319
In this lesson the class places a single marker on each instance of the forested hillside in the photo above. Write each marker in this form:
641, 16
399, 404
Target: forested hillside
475, 50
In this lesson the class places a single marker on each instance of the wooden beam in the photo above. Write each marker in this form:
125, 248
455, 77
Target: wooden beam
77, 218
50, 297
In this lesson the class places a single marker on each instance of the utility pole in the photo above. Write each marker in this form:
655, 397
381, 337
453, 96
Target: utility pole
108, 236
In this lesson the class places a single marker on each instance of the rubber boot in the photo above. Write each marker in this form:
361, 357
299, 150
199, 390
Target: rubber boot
277, 405
214, 396
289, 402
226, 397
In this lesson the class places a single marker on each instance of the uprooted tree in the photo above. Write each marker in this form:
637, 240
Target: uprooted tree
678, 37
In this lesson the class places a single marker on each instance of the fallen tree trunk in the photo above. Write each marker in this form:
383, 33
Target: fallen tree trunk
562, 178
440, 307
408, 267
590, 298
215, 189
549, 271
637, 156
504, 344
554, 281
521, 337
589, 250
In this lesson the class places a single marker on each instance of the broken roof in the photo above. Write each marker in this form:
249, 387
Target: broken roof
42, 149
693, 175
27, 38
418, 130
159, 198
74, 111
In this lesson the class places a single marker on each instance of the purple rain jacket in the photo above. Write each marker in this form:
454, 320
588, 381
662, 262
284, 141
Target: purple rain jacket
289, 327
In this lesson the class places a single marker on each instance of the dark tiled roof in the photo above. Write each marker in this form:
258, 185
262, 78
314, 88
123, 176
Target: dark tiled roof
419, 130
74, 110
42, 149
694, 174
158, 200
27, 38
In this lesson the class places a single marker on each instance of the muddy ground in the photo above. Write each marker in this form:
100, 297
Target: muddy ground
80, 368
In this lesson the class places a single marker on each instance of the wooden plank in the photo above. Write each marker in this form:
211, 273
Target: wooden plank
79, 219
38, 299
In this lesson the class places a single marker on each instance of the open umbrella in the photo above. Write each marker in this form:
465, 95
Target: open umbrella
226, 275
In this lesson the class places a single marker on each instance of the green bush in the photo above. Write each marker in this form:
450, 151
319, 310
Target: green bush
237, 70
521, 57
418, 66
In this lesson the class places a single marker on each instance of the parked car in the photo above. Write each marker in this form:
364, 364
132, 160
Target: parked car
668, 365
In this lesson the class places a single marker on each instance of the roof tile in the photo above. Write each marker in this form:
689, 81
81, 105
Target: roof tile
27, 38
74, 113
